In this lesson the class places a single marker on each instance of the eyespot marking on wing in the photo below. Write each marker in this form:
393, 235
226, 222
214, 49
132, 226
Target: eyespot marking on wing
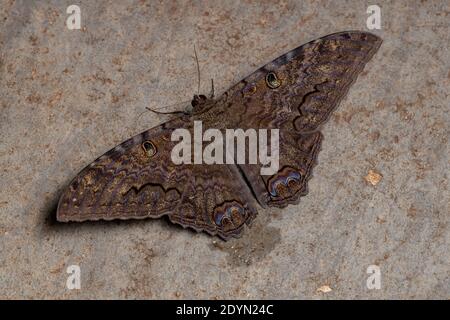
272, 80
285, 183
230, 215
149, 148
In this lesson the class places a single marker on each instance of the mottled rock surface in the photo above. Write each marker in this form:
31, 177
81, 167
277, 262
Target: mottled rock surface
67, 96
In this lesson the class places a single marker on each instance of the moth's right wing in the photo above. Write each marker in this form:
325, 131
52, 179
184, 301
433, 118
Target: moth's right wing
296, 93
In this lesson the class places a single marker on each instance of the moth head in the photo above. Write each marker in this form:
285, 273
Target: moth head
272, 80
198, 99
149, 148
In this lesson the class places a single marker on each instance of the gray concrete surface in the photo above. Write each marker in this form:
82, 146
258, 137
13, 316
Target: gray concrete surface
67, 96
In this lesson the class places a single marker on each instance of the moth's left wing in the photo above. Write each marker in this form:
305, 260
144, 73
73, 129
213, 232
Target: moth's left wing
138, 179
296, 94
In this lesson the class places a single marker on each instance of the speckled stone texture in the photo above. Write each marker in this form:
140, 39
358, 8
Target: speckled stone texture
379, 195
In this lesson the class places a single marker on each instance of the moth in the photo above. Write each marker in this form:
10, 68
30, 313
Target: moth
295, 93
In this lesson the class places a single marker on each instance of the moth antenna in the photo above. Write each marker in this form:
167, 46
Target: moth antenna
171, 105
198, 70
212, 88
159, 112
163, 107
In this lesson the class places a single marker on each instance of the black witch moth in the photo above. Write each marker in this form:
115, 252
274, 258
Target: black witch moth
295, 94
